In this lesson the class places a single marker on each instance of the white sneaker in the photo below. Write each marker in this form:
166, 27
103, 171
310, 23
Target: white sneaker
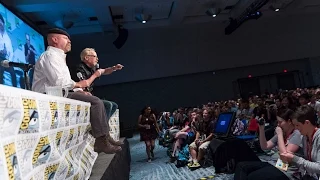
149, 160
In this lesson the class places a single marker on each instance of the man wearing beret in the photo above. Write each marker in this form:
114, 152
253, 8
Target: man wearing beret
51, 70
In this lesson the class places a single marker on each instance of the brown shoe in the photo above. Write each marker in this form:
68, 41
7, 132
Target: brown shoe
113, 142
101, 145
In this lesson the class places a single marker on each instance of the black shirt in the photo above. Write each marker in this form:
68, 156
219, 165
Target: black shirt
86, 72
32, 57
205, 127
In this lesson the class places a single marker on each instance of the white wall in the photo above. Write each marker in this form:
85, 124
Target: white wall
169, 51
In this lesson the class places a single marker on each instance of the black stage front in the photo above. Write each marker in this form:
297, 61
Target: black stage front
113, 166
230, 149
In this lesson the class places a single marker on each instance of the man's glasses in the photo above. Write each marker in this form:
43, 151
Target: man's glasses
93, 56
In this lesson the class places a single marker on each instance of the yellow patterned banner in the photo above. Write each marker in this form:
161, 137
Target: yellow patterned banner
44, 137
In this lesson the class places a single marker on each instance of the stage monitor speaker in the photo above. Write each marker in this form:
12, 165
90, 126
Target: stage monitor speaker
122, 38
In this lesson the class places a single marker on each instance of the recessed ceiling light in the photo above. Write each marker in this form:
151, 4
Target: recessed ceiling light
277, 10
213, 12
143, 18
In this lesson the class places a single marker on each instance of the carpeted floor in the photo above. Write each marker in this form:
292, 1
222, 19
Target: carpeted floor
160, 168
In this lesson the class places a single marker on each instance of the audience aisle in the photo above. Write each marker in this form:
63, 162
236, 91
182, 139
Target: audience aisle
159, 168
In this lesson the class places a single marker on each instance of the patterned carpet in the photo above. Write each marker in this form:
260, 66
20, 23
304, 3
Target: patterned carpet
160, 168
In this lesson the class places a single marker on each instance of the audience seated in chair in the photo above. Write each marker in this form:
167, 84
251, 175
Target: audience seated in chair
188, 131
287, 140
309, 165
243, 115
204, 134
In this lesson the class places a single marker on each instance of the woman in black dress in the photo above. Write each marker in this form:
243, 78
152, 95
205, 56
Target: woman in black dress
148, 130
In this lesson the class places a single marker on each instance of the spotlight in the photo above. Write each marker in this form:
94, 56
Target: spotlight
143, 18
213, 12
273, 8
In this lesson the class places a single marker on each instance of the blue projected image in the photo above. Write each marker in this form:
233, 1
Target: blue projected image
18, 43
223, 123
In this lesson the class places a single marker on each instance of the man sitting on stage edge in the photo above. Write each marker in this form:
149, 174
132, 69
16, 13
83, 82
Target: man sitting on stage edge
87, 68
51, 70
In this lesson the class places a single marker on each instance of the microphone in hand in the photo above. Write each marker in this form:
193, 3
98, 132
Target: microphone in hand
79, 75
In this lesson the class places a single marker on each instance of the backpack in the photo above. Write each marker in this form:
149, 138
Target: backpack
183, 156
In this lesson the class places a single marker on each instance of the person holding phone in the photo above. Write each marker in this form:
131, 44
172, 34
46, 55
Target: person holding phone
304, 120
285, 140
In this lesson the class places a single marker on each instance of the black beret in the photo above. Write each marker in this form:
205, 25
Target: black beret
58, 31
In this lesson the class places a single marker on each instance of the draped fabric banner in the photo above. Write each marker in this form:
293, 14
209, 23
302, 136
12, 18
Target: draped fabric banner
114, 126
44, 137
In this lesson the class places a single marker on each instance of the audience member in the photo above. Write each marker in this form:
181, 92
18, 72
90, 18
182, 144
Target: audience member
149, 130
305, 121
204, 134
188, 131
287, 139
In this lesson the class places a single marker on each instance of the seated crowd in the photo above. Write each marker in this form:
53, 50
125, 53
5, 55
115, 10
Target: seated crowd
286, 123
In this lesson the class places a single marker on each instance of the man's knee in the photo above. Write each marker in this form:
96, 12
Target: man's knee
193, 146
107, 104
204, 146
96, 101
114, 105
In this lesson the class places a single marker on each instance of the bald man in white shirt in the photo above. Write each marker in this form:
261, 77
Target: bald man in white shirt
51, 70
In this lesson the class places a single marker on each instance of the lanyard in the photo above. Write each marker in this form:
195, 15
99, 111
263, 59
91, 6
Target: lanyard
309, 144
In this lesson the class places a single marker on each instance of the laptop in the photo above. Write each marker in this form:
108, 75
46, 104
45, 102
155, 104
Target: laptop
224, 124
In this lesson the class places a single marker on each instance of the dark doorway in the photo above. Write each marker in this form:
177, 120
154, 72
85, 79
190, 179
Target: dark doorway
286, 81
249, 86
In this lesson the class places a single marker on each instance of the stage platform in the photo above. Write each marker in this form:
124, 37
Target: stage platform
113, 166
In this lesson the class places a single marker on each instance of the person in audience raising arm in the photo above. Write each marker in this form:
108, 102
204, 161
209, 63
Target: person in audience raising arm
51, 70
87, 68
287, 139
305, 121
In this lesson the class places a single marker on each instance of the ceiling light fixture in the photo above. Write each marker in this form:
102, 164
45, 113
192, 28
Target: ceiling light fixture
275, 8
143, 18
213, 12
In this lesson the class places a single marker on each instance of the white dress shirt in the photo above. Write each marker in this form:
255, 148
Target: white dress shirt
51, 70
5, 42
9, 76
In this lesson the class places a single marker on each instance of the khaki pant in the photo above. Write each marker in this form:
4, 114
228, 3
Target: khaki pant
202, 146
